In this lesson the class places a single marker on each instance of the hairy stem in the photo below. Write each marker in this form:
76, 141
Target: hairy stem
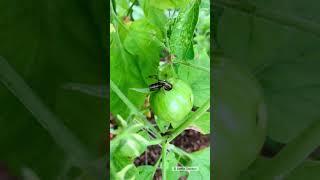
164, 160
156, 166
193, 66
180, 151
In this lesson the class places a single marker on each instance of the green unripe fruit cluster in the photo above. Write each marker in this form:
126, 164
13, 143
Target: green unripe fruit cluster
172, 105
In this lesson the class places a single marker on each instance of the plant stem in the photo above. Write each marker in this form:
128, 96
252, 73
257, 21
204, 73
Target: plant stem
189, 120
156, 166
293, 154
194, 66
180, 151
113, 6
116, 18
125, 100
164, 161
133, 109
130, 8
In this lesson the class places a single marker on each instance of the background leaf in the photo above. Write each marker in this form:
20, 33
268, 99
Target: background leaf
307, 170
239, 128
49, 44
278, 43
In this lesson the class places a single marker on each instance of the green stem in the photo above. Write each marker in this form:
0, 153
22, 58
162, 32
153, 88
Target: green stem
116, 18
194, 66
156, 166
133, 109
164, 160
125, 100
180, 151
156, 141
113, 6
189, 120
293, 154
130, 8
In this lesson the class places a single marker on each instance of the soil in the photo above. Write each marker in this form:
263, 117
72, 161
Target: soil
189, 140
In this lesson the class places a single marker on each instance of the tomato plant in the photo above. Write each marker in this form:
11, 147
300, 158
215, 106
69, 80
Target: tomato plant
159, 63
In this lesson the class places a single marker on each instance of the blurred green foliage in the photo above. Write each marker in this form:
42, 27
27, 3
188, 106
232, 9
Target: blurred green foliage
51, 43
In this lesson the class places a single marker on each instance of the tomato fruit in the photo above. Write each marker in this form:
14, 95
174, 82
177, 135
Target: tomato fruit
172, 105
239, 120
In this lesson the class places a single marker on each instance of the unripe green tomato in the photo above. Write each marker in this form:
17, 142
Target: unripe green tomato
239, 120
172, 105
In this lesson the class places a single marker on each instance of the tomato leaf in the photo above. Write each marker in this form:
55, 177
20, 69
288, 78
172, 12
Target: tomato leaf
166, 4
123, 149
171, 163
144, 43
122, 62
181, 38
154, 15
201, 161
202, 124
145, 172
162, 125
199, 80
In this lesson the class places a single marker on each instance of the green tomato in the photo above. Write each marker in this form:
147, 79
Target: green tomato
172, 105
239, 120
